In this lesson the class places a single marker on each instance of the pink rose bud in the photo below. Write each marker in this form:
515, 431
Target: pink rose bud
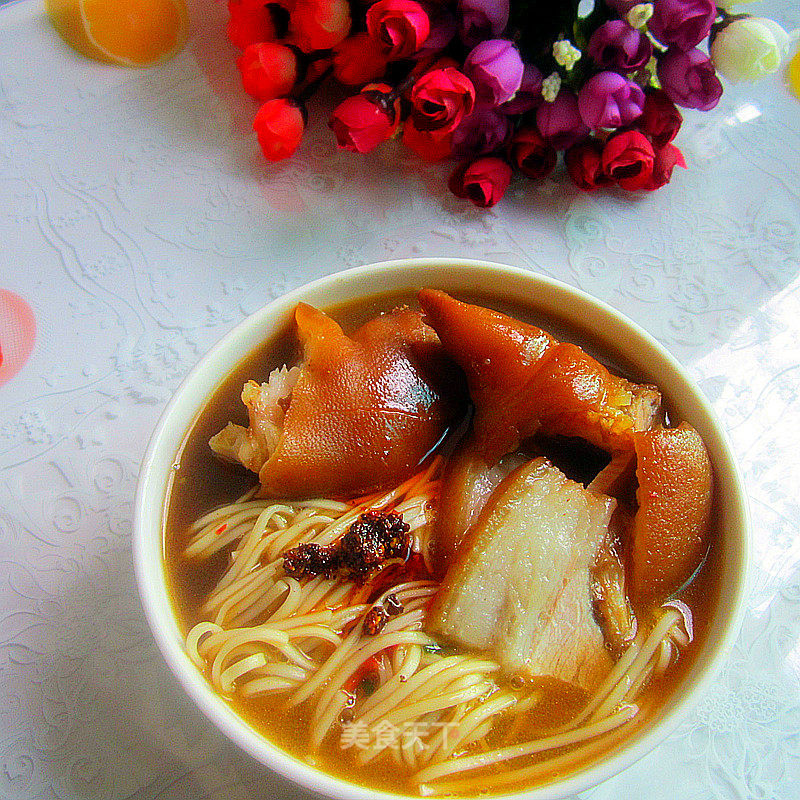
683, 23
400, 26
367, 119
440, 99
689, 79
495, 67
358, 59
319, 24
268, 70
560, 122
481, 19
608, 100
443, 31
482, 182
616, 45
660, 119
529, 94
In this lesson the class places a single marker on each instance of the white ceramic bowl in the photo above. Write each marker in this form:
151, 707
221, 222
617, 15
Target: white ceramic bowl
556, 300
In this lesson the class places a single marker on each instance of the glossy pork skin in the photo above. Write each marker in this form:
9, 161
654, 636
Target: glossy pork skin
671, 529
364, 412
520, 588
523, 381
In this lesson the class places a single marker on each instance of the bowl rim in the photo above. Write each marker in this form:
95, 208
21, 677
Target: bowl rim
153, 484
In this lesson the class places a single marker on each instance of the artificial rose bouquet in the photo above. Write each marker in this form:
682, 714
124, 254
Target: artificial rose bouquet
500, 86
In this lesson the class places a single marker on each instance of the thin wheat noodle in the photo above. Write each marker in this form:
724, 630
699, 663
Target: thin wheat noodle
427, 681
466, 763
650, 645
324, 724
261, 686
266, 636
446, 742
241, 667
360, 655
290, 602
195, 636
439, 703
402, 673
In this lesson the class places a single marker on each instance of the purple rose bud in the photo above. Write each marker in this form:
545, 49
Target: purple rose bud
608, 100
529, 94
483, 131
684, 23
689, 79
495, 68
443, 30
481, 19
615, 45
560, 121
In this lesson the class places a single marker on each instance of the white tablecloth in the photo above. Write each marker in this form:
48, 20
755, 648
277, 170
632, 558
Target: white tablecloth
140, 223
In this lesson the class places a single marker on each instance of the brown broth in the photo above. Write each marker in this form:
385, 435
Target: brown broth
201, 483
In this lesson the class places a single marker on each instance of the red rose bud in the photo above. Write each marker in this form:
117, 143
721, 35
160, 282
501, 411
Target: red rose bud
429, 64
585, 167
399, 26
358, 59
483, 182
660, 118
279, 124
628, 158
531, 154
367, 119
319, 24
440, 99
268, 70
667, 158
249, 23
427, 145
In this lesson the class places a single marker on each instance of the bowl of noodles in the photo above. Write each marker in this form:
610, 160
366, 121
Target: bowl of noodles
441, 528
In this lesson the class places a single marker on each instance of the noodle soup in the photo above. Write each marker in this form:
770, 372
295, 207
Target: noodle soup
376, 631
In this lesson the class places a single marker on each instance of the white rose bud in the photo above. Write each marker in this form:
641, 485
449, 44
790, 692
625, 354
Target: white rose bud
728, 5
747, 49
639, 15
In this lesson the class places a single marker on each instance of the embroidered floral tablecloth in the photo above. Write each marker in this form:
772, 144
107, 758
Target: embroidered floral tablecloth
138, 224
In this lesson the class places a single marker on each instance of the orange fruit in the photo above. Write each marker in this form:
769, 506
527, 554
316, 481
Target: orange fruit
671, 528
132, 33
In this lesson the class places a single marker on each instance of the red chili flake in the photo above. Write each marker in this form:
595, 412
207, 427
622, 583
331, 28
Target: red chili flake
392, 605
368, 668
374, 620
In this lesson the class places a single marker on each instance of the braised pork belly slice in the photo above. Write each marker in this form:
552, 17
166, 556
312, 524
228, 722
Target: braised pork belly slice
520, 589
467, 484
